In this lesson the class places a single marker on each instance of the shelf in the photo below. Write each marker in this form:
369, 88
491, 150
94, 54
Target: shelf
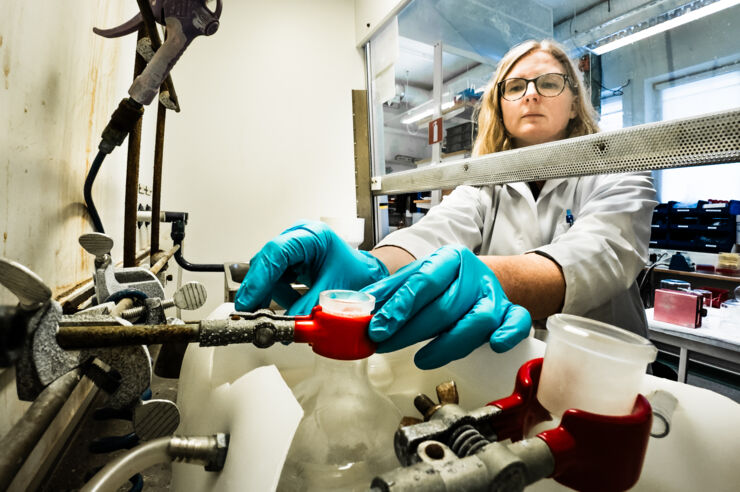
711, 276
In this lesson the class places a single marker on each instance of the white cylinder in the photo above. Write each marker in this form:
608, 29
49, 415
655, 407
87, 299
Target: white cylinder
592, 366
347, 303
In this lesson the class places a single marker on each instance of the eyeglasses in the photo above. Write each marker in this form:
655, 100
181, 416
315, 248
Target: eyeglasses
548, 85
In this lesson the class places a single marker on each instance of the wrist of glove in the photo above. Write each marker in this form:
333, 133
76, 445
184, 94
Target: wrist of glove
310, 253
452, 297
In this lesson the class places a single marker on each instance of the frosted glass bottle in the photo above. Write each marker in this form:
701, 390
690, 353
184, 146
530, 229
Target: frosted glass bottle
346, 435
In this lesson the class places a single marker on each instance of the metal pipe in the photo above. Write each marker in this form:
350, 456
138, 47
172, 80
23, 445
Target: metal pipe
197, 267
118, 336
164, 259
119, 470
18, 443
157, 178
209, 451
132, 177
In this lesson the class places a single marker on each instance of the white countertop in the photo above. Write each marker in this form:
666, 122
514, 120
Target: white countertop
712, 329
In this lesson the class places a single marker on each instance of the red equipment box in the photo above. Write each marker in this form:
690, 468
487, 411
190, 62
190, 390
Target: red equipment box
679, 307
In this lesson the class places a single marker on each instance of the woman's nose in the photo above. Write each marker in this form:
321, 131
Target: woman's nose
531, 92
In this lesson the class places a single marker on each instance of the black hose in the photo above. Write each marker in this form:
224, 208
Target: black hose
178, 235
91, 175
197, 267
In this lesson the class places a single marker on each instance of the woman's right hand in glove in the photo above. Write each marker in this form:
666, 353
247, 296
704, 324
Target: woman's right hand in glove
308, 253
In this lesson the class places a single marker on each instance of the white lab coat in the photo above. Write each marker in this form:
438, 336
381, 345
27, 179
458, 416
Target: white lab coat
600, 254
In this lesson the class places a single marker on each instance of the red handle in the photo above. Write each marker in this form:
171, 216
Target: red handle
591, 451
333, 336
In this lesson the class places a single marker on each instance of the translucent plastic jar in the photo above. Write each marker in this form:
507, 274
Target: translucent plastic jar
592, 366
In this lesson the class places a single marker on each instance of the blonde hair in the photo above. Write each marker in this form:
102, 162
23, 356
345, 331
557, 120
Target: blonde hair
492, 135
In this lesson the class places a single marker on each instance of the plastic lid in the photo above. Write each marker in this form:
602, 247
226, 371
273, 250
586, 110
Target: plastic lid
347, 303
604, 339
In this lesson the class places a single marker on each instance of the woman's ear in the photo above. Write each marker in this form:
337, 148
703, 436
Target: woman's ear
574, 108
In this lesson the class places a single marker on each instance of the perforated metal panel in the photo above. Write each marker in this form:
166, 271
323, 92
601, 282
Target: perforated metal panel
709, 139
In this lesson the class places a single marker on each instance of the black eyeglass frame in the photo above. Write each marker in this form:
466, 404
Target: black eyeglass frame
566, 81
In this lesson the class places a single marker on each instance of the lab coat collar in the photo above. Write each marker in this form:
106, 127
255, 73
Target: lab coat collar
523, 189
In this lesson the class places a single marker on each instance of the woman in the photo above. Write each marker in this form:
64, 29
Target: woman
476, 267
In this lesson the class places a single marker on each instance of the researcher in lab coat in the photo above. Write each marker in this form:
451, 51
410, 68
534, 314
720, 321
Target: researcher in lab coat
480, 266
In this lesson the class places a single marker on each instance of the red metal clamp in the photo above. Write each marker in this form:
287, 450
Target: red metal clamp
591, 452
336, 337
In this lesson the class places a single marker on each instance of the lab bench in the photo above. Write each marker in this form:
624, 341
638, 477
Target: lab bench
719, 346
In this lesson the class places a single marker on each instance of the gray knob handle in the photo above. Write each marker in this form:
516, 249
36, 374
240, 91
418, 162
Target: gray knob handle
190, 296
96, 243
28, 287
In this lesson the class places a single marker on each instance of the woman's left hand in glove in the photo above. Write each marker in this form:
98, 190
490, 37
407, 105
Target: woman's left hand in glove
451, 296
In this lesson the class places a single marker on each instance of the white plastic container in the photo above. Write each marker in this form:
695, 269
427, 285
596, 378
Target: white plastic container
592, 366
347, 303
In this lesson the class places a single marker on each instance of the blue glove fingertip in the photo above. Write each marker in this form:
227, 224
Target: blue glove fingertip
426, 362
514, 329
377, 331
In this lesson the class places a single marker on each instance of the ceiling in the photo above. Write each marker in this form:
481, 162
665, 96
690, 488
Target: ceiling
472, 32
566, 9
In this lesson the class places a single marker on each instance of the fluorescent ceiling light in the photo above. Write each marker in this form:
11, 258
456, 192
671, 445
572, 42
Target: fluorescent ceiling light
630, 36
426, 114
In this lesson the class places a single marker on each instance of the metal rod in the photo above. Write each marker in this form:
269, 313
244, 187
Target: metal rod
157, 178
74, 337
164, 259
45, 454
132, 177
18, 443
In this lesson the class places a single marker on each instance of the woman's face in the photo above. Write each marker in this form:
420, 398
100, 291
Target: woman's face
536, 119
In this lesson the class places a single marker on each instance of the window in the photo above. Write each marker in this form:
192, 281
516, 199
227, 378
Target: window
693, 97
611, 113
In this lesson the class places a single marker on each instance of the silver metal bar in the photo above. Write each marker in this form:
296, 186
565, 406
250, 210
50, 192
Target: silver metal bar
19, 442
709, 139
52, 442
374, 158
682, 364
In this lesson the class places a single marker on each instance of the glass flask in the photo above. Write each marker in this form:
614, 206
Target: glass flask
346, 435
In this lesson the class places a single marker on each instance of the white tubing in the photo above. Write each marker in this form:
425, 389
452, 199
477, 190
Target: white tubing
118, 471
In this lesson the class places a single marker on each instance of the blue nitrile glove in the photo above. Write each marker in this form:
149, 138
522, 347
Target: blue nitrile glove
309, 253
450, 295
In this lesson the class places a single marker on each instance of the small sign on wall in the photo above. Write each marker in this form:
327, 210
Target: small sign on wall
435, 131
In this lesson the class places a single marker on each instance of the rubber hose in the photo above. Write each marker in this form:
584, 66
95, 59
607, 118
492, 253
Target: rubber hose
118, 471
91, 175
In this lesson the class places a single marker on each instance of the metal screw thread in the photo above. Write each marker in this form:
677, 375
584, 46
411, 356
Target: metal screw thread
135, 312
466, 441
209, 451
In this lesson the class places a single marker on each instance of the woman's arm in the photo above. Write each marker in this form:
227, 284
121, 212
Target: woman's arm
530, 280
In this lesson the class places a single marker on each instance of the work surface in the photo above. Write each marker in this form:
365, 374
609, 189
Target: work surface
712, 339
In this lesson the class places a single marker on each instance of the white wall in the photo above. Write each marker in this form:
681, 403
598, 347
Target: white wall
265, 135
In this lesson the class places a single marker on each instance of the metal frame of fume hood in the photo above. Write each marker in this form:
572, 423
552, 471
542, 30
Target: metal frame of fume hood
708, 139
